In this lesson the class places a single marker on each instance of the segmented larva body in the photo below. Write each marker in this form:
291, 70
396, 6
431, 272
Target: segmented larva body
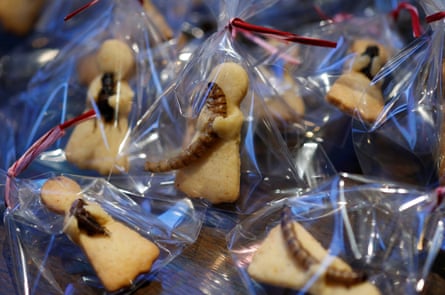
108, 89
217, 106
85, 220
305, 259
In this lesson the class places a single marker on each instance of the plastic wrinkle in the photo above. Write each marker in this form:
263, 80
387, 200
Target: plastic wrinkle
38, 147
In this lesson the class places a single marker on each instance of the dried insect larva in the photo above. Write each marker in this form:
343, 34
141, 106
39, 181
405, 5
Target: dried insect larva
85, 220
368, 62
108, 89
347, 278
217, 106
304, 258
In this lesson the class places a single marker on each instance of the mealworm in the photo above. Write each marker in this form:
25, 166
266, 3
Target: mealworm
217, 105
373, 53
108, 89
304, 258
85, 220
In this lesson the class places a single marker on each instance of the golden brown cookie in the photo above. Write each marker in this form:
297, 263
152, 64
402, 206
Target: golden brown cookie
97, 145
19, 16
58, 193
216, 176
273, 264
354, 94
117, 253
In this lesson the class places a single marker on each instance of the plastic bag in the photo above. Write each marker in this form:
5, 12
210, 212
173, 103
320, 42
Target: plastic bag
252, 164
49, 36
71, 84
402, 144
45, 260
389, 232
316, 72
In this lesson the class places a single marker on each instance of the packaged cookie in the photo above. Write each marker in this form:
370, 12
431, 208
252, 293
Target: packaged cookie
113, 69
330, 81
403, 144
352, 235
206, 131
82, 235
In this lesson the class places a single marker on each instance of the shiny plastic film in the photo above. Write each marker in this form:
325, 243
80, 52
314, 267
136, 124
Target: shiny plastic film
353, 235
76, 235
402, 143
211, 131
113, 69
320, 88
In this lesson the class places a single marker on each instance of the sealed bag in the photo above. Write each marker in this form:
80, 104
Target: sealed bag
402, 142
352, 235
326, 83
77, 235
210, 130
112, 69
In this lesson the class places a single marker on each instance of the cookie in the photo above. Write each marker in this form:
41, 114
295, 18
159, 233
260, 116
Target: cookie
273, 264
19, 16
97, 144
216, 175
359, 46
58, 193
209, 167
354, 94
119, 255
104, 240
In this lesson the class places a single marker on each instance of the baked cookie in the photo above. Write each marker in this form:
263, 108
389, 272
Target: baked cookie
96, 144
210, 166
117, 253
274, 264
19, 16
353, 92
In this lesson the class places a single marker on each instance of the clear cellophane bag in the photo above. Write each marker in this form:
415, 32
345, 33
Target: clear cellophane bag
390, 232
267, 167
43, 259
70, 85
403, 142
310, 72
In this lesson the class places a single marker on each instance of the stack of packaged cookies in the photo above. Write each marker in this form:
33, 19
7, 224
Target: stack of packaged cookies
168, 147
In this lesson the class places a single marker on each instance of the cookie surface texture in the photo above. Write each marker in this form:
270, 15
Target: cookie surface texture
354, 94
118, 257
216, 176
273, 264
58, 193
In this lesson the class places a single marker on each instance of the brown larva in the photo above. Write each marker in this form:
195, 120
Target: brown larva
108, 89
85, 220
217, 106
304, 258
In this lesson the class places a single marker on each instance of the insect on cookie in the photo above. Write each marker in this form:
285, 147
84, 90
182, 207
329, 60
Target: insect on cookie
117, 253
96, 144
209, 167
290, 257
353, 92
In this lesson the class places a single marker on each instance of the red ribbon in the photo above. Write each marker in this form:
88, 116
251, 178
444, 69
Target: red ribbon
45, 141
435, 16
79, 10
239, 24
414, 13
86, 6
